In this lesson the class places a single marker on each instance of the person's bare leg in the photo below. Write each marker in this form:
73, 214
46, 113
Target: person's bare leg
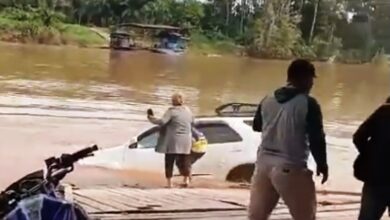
169, 163
184, 166
169, 183
186, 181
190, 177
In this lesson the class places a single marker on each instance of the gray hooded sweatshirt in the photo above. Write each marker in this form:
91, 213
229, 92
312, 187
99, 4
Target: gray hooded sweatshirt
291, 126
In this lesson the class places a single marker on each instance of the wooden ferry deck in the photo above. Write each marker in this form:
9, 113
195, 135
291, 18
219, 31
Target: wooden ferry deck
114, 203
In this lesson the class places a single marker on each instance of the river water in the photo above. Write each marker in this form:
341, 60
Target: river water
55, 99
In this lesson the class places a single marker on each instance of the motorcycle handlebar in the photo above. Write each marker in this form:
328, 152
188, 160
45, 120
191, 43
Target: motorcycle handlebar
69, 159
84, 153
63, 162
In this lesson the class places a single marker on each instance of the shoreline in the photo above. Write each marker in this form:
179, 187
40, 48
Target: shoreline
189, 51
80, 36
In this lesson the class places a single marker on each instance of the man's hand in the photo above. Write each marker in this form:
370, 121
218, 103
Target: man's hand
323, 170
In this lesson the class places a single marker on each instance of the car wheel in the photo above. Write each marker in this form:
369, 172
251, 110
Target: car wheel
242, 173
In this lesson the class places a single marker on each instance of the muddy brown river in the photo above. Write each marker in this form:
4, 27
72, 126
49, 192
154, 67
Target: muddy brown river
59, 99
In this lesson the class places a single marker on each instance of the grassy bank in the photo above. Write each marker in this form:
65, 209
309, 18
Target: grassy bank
43, 28
21, 29
205, 45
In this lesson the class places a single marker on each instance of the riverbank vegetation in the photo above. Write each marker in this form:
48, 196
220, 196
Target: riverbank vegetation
37, 25
348, 30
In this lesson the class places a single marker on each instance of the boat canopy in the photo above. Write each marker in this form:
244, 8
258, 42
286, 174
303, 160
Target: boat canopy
120, 34
150, 26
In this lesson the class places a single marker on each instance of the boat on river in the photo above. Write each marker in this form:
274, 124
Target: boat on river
120, 40
169, 40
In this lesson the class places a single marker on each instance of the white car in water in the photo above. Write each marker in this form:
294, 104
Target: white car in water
231, 153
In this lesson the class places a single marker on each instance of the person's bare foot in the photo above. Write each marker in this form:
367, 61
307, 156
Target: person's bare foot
186, 182
184, 185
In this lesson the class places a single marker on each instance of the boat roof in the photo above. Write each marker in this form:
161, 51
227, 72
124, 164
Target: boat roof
120, 33
150, 26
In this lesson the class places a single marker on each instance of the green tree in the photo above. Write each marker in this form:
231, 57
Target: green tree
276, 31
187, 13
159, 11
381, 24
269, 28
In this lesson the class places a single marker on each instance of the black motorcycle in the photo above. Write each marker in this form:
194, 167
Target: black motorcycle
43, 185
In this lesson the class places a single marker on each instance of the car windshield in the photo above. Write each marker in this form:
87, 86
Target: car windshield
149, 138
149, 141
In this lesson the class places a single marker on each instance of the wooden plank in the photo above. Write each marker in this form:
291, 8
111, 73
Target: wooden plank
335, 208
163, 196
339, 214
193, 215
110, 199
337, 199
240, 197
140, 197
231, 215
129, 201
197, 215
156, 200
188, 204
94, 203
88, 208
352, 215
117, 199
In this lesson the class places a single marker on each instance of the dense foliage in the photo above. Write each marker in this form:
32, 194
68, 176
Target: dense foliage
43, 25
317, 29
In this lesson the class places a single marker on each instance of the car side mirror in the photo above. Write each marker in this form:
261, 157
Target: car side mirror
133, 145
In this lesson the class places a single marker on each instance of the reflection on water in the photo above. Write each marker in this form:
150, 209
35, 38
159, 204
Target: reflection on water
124, 84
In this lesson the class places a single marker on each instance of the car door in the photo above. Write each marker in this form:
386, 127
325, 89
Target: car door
141, 155
223, 141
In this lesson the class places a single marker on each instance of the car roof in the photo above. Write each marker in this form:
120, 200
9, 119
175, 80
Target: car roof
219, 118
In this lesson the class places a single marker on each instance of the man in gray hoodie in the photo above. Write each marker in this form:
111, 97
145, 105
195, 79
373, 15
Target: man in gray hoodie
291, 125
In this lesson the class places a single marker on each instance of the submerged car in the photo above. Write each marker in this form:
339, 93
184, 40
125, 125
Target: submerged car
231, 153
